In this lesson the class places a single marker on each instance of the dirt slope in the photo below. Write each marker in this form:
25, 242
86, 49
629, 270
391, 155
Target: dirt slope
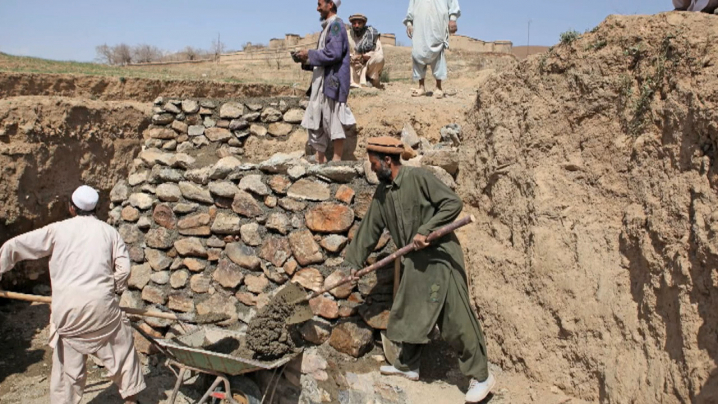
594, 168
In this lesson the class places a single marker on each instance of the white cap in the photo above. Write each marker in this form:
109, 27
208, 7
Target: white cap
85, 198
337, 3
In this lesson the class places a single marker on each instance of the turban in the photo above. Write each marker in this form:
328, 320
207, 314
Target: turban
85, 198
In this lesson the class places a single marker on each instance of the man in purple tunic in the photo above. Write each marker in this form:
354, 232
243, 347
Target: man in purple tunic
328, 116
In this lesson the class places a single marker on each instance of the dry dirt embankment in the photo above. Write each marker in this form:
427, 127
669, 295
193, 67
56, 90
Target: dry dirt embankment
596, 268
51, 145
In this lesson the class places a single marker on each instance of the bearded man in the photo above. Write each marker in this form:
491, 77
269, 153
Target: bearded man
367, 54
412, 203
328, 116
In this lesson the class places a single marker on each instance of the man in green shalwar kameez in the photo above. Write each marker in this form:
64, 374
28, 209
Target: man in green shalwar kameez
412, 203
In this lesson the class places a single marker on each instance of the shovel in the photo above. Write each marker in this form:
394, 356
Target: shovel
295, 295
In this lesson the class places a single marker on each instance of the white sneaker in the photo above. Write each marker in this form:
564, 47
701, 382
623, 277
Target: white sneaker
479, 391
392, 371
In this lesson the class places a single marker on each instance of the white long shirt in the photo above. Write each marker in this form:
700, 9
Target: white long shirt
430, 19
89, 263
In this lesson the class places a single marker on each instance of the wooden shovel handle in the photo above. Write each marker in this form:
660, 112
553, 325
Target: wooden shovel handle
128, 310
396, 254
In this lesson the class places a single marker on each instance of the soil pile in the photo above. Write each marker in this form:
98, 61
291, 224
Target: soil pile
268, 334
594, 167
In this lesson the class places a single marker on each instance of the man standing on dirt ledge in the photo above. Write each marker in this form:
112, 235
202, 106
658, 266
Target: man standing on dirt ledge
412, 203
429, 24
89, 263
328, 114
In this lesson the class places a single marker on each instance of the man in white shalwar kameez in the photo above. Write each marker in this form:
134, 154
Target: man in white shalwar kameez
706, 6
429, 24
89, 264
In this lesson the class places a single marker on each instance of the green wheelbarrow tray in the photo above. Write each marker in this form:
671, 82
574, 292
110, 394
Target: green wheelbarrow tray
187, 354
187, 350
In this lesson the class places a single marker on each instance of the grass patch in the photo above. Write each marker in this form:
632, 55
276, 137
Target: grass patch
569, 37
385, 76
598, 45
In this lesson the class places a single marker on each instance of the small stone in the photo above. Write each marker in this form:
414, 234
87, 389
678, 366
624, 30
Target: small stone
310, 278
162, 119
171, 108
329, 218
238, 124
270, 115
144, 223
258, 130
195, 130
159, 101
279, 129
205, 111
196, 220
161, 133
370, 175
148, 189
163, 174
279, 184
243, 256
180, 127
253, 183
342, 174
409, 137
255, 107
376, 315
246, 298
251, 117
245, 205
136, 179
195, 193
137, 254
296, 172
341, 292
271, 201
191, 247
352, 338
153, 157
207, 104
275, 275
170, 146
446, 159
218, 134
276, 250
120, 192
180, 302
160, 238
168, 193
195, 265
345, 194
324, 307
443, 176
208, 122
306, 251
214, 254
292, 205
160, 278
283, 106
130, 234
224, 167
130, 214
164, 216
184, 208
281, 162
231, 110
200, 141
228, 274
190, 107
157, 259
347, 309
154, 295
215, 242
178, 280
279, 222
132, 300
380, 282
250, 234
383, 241
226, 223
200, 283
216, 308
316, 331
199, 176
223, 123
307, 190
141, 201
256, 284
294, 116
334, 243
139, 276
362, 201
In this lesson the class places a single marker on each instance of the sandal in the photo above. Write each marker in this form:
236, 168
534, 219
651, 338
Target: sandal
418, 92
439, 94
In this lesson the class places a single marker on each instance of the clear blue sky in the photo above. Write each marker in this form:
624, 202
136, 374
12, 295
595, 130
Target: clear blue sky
70, 30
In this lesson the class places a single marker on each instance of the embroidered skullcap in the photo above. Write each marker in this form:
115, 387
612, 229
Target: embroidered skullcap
360, 17
85, 198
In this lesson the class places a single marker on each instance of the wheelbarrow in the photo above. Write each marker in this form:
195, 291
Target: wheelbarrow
186, 354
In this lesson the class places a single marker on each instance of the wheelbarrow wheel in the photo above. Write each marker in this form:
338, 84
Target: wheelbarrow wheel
244, 391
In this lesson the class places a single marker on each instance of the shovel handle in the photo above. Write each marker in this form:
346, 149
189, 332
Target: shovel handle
128, 310
396, 254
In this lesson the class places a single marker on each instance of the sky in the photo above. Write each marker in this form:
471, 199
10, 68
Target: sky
70, 30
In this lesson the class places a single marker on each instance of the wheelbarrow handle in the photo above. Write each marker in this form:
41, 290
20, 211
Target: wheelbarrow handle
396, 254
46, 299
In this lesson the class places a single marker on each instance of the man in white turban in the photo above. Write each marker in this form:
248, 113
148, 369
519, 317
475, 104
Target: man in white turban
706, 6
89, 265
429, 24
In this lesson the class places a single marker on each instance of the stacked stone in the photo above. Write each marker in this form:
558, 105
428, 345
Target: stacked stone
442, 158
214, 238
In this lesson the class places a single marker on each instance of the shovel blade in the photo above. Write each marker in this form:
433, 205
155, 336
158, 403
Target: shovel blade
294, 294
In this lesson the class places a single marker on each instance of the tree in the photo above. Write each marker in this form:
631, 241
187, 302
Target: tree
146, 54
104, 54
217, 48
122, 54
191, 53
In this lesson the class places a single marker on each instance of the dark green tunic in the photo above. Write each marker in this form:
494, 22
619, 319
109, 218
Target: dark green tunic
415, 203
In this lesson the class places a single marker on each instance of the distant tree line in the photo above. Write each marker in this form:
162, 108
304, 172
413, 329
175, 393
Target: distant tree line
123, 54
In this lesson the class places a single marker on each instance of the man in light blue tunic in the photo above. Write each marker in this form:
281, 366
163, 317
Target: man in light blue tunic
429, 24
